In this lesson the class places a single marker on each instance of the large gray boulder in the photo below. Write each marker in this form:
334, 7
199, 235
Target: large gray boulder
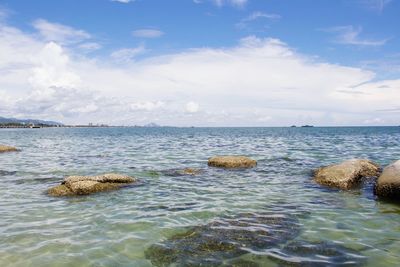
4, 148
84, 185
346, 174
388, 185
232, 162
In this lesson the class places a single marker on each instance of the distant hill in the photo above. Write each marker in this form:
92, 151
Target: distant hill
28, 121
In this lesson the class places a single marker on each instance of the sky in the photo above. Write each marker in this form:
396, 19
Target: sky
201, 62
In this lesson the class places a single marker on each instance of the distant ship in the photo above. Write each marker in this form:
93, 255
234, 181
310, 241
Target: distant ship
307, 126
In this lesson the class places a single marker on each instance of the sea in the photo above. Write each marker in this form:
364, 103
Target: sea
271, 215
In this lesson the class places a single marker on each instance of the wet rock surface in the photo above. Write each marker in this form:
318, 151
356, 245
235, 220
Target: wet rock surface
302, 253
347, 174
388, 184
232, 162
4, 148
84, 185
226, 238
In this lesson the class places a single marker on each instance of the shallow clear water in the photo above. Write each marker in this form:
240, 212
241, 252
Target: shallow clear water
116, 228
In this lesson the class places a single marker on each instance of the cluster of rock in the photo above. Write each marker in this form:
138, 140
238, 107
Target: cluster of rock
4, 148
352, 172
344, 175
84, 185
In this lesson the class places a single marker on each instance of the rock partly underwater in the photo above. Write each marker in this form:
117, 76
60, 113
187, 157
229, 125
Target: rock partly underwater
231, 162
84, 185
225, 238
347, 174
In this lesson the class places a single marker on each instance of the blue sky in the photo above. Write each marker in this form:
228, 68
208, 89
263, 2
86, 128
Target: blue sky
157, 56
302, 24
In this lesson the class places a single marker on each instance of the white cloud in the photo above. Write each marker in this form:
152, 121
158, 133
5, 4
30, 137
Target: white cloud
59, 33
52, 68
192, 107
374, 121
146, 105
238, 3
377, 5
220, 3
350, 35
125, 55
256, 16
123, 1
3, 13
260, 81
90, 46
147, 33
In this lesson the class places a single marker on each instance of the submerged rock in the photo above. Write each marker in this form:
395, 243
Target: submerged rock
4, 148
182, 172
84, 185
388, 185
346, 174
190, 171
301, 253
226, 238
232, 162
4, 173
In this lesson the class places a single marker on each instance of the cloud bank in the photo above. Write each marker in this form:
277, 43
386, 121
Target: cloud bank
258, 82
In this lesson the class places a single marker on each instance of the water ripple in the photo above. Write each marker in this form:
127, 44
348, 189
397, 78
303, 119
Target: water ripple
333, 227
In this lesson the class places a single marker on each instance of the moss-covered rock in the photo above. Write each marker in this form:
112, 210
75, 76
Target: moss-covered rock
346, 174
84, 185
231, 162
4, 148
226, 238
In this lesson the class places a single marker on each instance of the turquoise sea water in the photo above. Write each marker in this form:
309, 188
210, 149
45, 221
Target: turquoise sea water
118, 228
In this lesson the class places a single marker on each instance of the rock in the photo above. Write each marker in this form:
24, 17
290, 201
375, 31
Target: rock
388, 185
232, 162
182, 172
317, 254
104, 178
224, 239
190, 171
4, 148
346, 174
84, 185
59, 191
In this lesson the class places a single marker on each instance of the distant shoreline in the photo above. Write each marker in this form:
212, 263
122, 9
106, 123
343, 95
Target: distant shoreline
198, 127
